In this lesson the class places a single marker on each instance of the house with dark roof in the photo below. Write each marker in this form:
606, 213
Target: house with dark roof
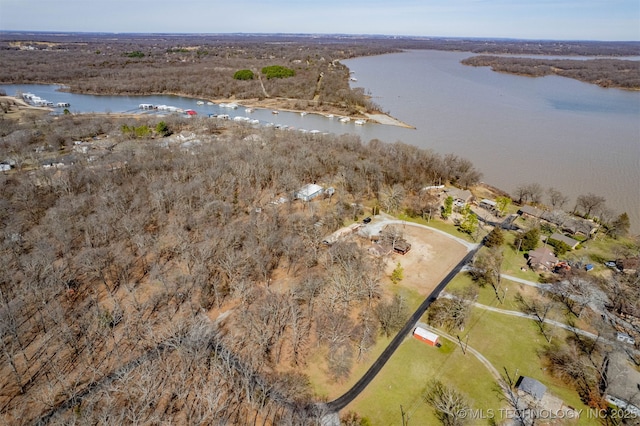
531, 387
542, 259
561, 219
530, 211
567, 240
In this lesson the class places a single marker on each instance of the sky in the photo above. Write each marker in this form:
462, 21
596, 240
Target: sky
606, 20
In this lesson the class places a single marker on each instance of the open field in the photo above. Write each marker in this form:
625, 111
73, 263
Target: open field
402, 382
514, 344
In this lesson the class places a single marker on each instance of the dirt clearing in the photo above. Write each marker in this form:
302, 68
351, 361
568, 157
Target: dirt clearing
430, 259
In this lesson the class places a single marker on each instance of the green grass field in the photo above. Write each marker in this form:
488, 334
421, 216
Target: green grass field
402, 382
439, 224
509, 343
515, 344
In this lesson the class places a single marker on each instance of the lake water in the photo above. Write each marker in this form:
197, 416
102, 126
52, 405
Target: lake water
555, 131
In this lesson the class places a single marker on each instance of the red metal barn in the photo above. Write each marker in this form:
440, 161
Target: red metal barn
425, 336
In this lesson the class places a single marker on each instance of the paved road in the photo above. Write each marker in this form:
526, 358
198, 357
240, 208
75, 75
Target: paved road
351, 394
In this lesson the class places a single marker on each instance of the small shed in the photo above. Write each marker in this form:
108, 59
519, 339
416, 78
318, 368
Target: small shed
531, 387
401, 247
426, 336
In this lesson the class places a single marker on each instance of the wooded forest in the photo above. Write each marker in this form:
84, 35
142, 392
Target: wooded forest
156, 280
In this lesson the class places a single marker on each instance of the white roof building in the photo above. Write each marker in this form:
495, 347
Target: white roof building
308, 192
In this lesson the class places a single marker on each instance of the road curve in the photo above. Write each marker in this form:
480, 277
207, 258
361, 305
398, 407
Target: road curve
344, 400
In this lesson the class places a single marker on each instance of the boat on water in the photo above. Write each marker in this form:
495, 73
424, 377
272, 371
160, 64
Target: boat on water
275, 112
330, 116
360, 122
63, 105
209, 103
303, 113
249, 110
345, 120
200, 103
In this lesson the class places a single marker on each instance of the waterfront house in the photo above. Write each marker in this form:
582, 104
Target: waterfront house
542, 259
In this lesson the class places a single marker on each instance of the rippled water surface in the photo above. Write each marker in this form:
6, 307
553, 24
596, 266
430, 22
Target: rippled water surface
559, 132
555, 131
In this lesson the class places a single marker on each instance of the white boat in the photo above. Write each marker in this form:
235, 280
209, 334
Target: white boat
200, 103
209, 103
145, 106
345, 120
360, 122
275, 112
330, 116
303, 113
249, 110
63, 104
232, 105
255, 121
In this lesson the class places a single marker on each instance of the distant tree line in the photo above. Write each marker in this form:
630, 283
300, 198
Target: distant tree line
603, 72
202, 67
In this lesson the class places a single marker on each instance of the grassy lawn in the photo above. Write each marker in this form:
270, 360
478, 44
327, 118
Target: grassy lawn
403, 379
514, 261
515, 344
447, 227
486, 296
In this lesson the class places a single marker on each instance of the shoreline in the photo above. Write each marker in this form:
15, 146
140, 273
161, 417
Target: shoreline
272, 104
281, 105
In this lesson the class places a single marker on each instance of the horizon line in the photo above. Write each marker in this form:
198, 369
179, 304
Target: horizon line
297, 34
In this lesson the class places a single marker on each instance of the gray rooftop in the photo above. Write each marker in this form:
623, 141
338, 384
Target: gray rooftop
531, 386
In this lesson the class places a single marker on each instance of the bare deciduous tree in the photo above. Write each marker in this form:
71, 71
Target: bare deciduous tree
450, 405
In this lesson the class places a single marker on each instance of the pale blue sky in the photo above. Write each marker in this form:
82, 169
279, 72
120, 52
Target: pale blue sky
528, 19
